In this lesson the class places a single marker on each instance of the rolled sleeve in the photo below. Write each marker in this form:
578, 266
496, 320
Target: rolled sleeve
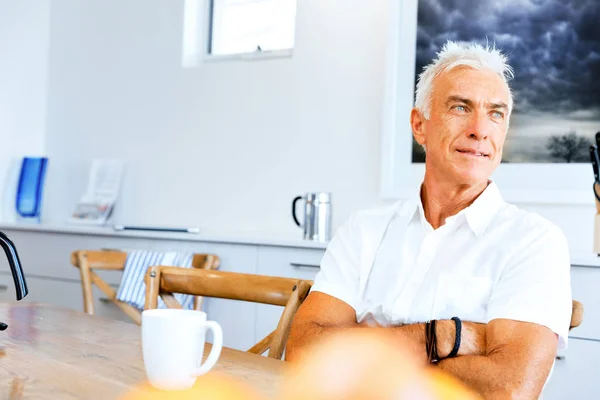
339, 273
536, 286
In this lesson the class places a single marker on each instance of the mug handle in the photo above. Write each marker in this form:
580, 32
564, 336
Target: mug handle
215, 351
294, 210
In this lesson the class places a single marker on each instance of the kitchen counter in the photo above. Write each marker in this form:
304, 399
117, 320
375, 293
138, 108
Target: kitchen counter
578, 259
258, 238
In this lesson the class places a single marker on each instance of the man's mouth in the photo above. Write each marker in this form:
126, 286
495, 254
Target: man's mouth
473, 153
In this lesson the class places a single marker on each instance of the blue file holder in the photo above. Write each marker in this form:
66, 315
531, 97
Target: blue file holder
31, 187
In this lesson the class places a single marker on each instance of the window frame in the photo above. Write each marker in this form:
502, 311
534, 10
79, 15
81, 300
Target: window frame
250, 56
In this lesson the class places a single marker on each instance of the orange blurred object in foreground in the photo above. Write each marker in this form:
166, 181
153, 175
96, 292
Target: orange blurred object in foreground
445, 387
354, 365
368, 364
212, 386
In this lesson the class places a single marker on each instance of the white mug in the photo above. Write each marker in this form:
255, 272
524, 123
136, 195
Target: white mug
173, 345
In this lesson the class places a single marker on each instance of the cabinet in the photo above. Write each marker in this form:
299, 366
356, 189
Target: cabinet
61, 293
49, 254
585, 287
284, 262
576, 376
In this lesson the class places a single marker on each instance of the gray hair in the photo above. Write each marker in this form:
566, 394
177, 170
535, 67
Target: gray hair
455, 54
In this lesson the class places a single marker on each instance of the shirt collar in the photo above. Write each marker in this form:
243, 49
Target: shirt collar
478, 215
484, 208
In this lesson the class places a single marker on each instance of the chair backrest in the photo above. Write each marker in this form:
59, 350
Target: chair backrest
576, 315
285, 292
89, 260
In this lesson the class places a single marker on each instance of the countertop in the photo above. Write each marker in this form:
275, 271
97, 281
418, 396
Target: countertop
257, 238
578, 259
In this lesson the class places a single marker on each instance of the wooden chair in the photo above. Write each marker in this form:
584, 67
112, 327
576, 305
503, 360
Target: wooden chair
576, 315
287, 292
89, 260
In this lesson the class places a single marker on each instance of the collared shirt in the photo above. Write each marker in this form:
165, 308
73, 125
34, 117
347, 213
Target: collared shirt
491, 260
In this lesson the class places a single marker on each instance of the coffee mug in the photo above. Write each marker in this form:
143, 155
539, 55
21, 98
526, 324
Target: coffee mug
173, 345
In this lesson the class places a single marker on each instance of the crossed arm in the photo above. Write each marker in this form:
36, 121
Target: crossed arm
503, 359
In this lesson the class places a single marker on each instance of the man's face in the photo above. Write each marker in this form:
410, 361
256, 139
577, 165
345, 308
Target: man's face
465, 133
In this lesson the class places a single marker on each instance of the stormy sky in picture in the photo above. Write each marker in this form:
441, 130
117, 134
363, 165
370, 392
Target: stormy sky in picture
554, 49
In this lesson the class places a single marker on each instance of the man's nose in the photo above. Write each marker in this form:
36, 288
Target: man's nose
479, 128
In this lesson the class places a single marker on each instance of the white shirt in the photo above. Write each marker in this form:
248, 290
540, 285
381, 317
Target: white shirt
491, 260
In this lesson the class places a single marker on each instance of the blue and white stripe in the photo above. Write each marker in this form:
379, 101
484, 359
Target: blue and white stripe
132, 289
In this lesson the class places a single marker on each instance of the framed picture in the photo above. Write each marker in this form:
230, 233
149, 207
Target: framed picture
556, 59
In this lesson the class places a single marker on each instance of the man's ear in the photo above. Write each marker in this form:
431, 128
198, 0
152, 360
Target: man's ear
416, 122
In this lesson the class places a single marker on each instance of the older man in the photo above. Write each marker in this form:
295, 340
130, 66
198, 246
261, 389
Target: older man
462, 278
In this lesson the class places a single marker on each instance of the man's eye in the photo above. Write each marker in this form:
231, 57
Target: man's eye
497, 114
460, 108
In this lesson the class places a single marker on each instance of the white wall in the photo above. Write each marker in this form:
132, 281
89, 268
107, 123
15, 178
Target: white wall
24, 40
226, 145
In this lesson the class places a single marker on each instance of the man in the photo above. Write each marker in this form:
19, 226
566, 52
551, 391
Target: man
454, 250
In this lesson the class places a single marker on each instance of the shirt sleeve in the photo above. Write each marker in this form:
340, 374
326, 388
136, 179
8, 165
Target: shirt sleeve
339, 273
536, 285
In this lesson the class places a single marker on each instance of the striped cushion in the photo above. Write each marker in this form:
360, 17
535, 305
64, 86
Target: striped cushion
132, 289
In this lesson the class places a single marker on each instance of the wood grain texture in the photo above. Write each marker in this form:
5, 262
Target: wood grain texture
86, 282
227, 285
53, 353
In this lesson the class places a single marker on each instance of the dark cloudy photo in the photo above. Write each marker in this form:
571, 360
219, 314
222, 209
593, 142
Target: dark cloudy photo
554, 49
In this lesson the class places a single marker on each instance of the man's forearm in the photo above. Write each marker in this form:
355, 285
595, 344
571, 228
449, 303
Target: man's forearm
516, 367
410, 337
413, 338
494, 375
308, 333
493, 378
480, 373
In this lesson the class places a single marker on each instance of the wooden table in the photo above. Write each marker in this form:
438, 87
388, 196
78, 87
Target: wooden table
54, 353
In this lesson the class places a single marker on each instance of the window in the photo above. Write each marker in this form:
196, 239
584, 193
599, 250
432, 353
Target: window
251, 26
